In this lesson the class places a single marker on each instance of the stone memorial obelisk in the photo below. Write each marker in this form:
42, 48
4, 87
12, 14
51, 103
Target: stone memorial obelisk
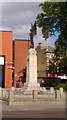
31, 72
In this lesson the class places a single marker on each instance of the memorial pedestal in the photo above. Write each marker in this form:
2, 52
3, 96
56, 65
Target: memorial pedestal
31, 73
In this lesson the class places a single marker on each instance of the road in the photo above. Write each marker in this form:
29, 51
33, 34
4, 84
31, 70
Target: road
51, 110
34, 114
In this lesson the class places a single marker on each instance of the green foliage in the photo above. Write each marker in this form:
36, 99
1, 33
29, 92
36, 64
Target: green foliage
52, 67
58, 65
54, 19
63, 65
63, 85
0, 84
66, 86
55, 0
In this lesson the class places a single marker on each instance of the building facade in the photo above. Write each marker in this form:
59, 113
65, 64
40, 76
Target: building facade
21, 47
13, 55
6, 59
44, 53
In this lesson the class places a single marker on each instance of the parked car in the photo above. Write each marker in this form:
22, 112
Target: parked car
49, 81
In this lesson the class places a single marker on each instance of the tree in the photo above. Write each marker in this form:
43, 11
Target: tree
63, 65
54, 19
52, 65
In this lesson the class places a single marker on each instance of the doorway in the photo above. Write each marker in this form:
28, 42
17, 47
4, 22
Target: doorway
2, 70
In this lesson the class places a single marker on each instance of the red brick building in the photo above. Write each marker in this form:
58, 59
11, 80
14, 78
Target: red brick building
6, 53
12, 58
20, 54
13, 54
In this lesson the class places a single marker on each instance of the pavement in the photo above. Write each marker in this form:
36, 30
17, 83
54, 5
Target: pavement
46, 110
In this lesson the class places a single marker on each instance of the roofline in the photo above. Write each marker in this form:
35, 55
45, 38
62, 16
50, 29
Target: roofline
21, 40
5, 31
49, 51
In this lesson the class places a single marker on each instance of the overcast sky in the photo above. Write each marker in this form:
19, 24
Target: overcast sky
18, 16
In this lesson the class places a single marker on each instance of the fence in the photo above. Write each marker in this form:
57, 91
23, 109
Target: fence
15, 96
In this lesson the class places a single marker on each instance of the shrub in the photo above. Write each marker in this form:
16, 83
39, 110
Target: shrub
63, 85
66, 86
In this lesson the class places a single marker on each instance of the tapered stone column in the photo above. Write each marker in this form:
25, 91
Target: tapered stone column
31, 76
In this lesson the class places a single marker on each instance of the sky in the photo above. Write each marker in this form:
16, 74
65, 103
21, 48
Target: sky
18, 16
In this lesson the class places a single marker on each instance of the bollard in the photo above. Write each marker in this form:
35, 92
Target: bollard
34, 94
51, 89
61, 92
44, 88
0, 103
13, 88
57, 94
0, 93
11, 96
3, 92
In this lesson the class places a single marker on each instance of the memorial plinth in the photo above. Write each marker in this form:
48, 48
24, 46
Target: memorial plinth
31, 72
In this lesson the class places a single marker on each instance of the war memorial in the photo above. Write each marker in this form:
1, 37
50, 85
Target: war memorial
31, 92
